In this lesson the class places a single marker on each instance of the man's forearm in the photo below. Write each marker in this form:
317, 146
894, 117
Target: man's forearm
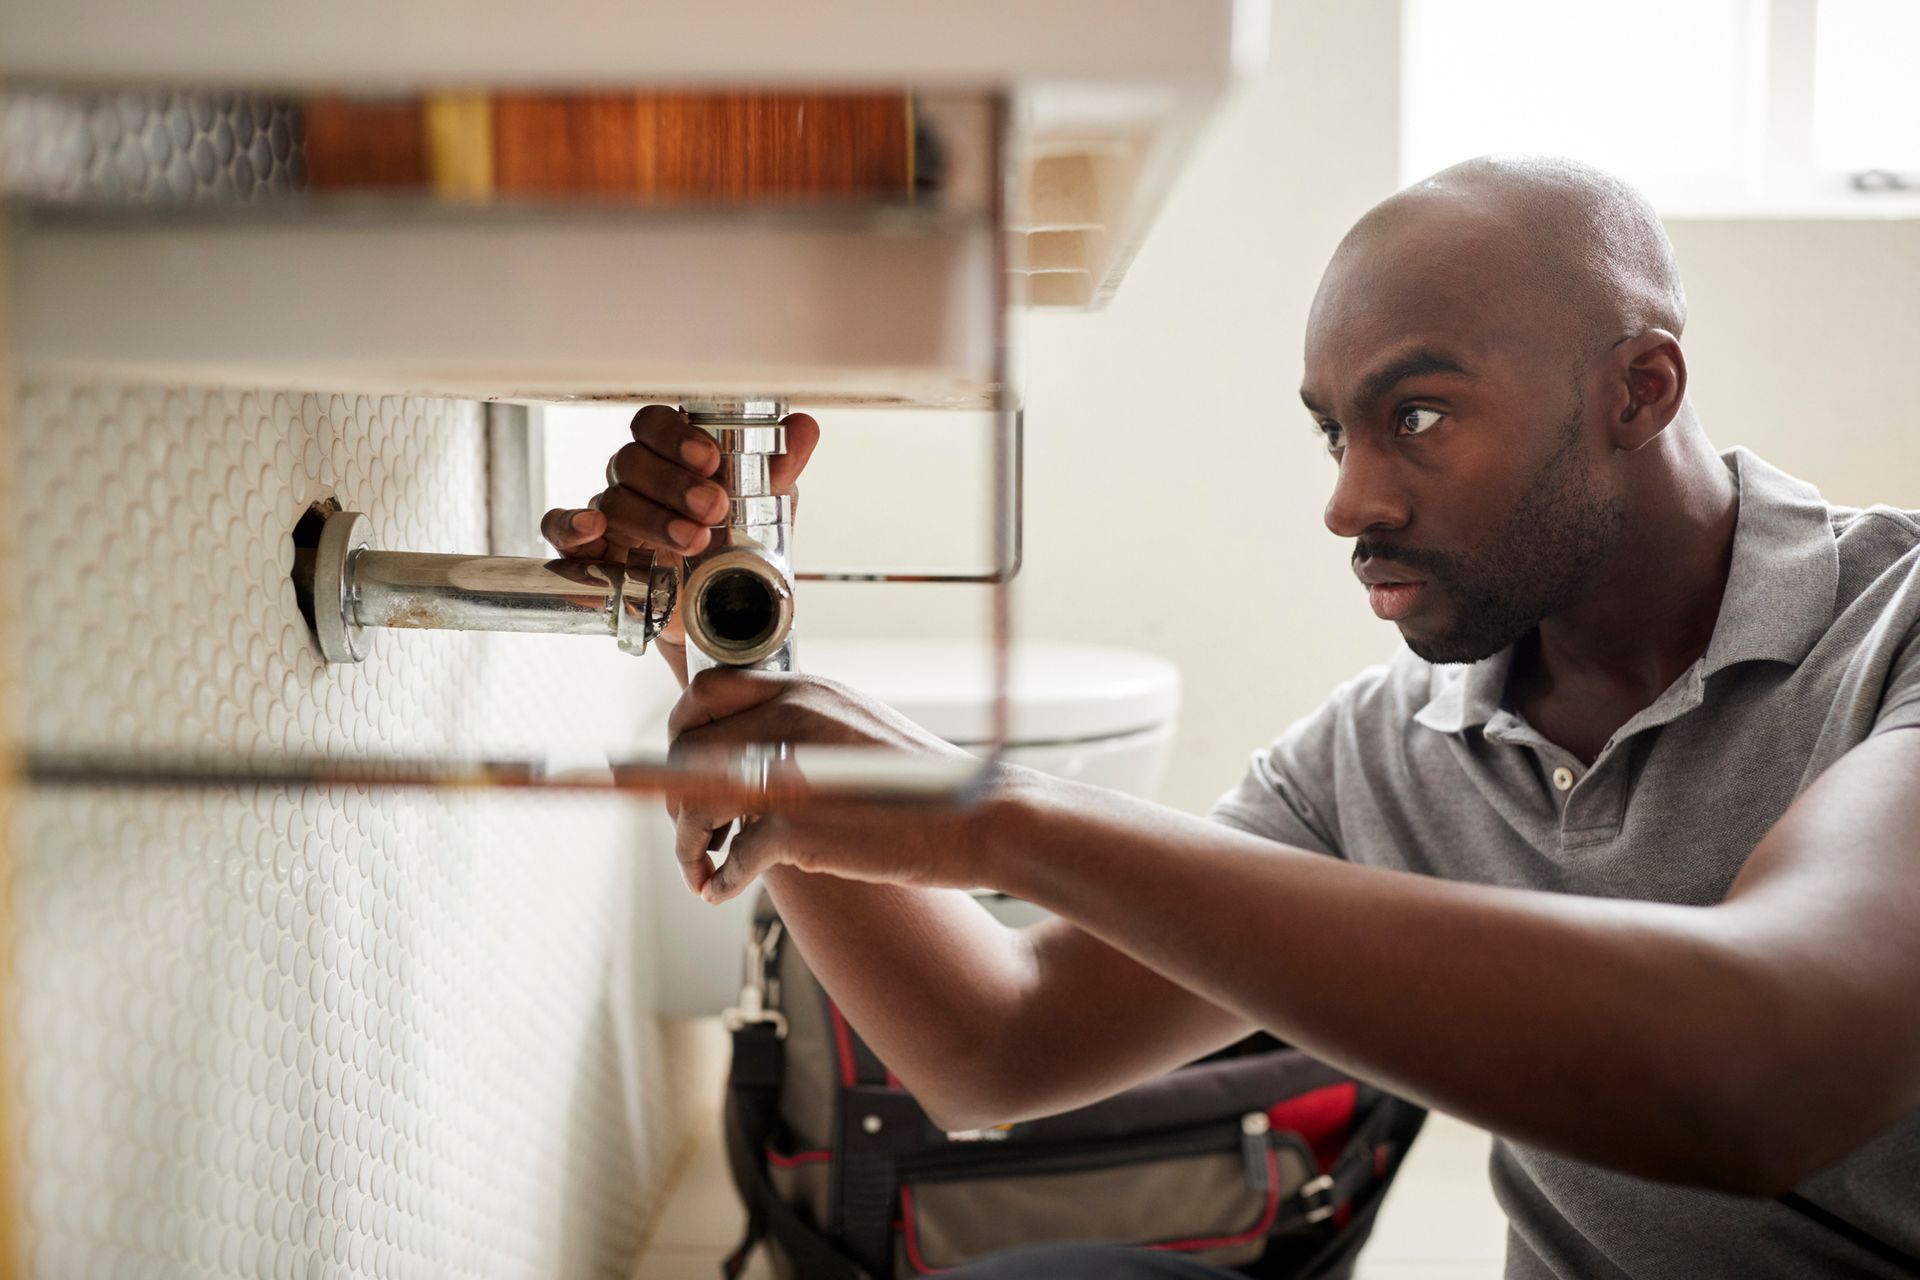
929, 977
1605, 1030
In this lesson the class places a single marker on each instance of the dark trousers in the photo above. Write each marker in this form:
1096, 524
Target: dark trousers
1089, 1262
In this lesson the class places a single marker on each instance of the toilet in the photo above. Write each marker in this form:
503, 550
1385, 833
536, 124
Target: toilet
1091, 713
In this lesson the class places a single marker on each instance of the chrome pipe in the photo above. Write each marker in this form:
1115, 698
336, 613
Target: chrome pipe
482, 593
737, 599
347, 587
736, 602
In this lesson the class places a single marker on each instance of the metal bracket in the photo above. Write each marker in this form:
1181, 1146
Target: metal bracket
648, 593
1314, 1189
759, 992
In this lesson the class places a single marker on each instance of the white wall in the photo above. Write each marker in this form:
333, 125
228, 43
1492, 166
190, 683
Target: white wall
297, 1030
1166, 448
1799, 342
1167, 444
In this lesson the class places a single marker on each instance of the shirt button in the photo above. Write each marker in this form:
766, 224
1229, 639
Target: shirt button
1563, 779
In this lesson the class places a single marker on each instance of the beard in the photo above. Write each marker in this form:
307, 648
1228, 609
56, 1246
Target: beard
1535, 563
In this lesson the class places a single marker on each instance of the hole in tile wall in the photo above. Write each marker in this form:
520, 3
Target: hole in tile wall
306, 536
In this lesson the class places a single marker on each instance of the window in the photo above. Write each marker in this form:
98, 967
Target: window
1712, 107
1866, 78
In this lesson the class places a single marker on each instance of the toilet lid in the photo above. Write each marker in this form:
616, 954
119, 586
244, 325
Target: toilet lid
1059, 692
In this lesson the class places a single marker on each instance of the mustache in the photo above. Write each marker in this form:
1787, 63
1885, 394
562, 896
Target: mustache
1435, 562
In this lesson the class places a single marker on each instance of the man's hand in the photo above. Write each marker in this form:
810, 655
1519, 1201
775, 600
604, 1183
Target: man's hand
660, 495
881, 843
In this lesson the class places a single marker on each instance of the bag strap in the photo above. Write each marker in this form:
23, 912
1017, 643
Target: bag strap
759, 1030
748, 1126
1860, 1237
753, 1094
1390, 1122
1355, 1168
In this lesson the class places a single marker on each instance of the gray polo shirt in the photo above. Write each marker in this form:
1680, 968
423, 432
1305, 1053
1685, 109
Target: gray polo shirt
1426, 769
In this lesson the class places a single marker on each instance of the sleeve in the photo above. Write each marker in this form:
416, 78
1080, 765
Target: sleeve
1288, 793
1900, 704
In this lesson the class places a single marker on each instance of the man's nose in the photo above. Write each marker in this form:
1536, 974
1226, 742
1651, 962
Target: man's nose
1366, 495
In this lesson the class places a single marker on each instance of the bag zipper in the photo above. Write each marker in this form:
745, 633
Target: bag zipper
1251, 1135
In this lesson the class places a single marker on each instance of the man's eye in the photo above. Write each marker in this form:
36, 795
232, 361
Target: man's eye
1414, 421
1334, 434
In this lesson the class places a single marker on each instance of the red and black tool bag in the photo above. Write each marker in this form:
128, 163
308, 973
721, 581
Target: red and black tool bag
1258, 1158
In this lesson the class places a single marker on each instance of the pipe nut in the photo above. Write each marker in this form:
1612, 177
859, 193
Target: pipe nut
747, 439
758, 511
342, 639
645, 601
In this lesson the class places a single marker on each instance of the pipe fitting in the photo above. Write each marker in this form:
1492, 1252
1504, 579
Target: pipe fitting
739, 607
738, 593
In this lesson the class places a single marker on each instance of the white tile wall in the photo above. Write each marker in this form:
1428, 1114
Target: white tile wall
284, 1032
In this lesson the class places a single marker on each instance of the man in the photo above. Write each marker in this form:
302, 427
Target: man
1625, 845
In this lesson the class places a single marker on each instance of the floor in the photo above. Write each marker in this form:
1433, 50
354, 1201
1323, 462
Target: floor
1440, 1222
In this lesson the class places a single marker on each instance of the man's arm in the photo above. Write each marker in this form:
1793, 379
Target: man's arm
985, 1023
981, 1021
971, 1014
1661, 1040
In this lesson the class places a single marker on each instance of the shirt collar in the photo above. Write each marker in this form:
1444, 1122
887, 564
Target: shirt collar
1786, 570
1466, 696
1778, 602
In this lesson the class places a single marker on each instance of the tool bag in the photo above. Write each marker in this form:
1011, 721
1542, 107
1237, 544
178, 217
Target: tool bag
1257, 1158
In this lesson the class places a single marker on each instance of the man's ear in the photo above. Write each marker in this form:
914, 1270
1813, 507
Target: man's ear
1652, 386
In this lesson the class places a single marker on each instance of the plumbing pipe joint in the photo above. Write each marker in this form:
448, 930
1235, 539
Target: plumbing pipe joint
737, 598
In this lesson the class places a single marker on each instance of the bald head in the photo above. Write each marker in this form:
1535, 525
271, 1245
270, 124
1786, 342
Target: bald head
1554, 236
1489, 357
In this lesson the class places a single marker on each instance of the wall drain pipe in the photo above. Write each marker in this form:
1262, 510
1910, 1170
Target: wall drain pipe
738, 593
